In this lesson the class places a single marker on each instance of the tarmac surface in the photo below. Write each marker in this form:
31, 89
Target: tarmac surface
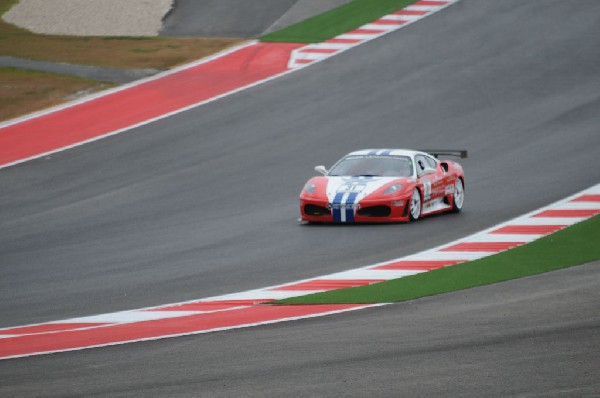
205, 203
239, 18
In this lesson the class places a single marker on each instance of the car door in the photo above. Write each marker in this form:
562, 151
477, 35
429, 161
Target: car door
431, 176
424, 176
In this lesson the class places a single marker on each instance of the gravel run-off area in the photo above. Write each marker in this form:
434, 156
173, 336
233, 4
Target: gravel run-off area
90, 17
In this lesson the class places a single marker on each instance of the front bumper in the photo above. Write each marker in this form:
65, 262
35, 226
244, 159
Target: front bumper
367, 211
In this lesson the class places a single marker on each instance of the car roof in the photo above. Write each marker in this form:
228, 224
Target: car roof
387, 152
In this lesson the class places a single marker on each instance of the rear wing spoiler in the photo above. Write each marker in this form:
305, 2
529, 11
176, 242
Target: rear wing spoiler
436, 153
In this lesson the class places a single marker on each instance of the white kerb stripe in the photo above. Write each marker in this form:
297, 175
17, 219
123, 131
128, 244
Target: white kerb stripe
411, 18
504, 238
262, 294
357, 36
421, 8
579, 206
393, 17
380, 26
129, 316
371, 274
434, 256
547, 220
327, 46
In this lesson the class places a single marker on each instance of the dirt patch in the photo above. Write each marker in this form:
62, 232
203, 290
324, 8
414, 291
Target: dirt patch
23, 92
112, 52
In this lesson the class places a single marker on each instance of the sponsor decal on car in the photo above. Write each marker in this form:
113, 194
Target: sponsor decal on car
343, 206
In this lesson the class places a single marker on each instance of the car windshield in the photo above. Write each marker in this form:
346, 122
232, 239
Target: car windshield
384, 166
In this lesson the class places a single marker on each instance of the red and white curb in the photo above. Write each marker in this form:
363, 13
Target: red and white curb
384, 25
250, 308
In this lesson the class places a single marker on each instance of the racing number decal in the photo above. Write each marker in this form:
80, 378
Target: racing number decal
426, 190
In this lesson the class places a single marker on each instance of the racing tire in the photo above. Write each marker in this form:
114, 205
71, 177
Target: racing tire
458, 199
415, 206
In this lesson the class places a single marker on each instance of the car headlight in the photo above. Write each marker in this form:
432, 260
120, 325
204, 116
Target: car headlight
310, 187
393, 188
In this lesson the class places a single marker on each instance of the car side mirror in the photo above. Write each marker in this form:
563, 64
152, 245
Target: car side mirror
321, 170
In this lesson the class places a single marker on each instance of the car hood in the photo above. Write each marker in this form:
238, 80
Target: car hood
356, 188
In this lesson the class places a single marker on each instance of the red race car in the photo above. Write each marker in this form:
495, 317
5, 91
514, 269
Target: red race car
385, 185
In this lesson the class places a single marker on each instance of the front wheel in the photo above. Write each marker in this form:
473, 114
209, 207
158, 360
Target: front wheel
415, 205
459, 196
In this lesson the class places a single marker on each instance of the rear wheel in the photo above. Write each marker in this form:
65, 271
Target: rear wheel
415, 205
459, 196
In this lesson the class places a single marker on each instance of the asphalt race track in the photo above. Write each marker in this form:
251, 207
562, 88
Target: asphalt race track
239, 18
204, 203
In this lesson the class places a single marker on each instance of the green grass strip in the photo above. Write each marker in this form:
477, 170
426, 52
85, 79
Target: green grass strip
578, 244
336, 21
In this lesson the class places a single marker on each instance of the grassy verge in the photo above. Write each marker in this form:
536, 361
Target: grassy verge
575, 245
337, 21
23, 91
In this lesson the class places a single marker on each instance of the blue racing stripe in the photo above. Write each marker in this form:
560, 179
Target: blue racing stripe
336, 210
386, 152
350, 210
372, 153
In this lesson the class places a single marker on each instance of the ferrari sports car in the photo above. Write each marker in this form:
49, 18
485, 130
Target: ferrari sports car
385, 185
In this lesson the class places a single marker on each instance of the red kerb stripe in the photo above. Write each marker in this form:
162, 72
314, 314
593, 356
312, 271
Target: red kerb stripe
154, 98
343, 41
329, 284
388, 22
410, 12
529, 229
211, 305
482, 246
49, 327
587, 198
120, 333
568, 213
319, 50
418, 265
366, 31
430, 3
